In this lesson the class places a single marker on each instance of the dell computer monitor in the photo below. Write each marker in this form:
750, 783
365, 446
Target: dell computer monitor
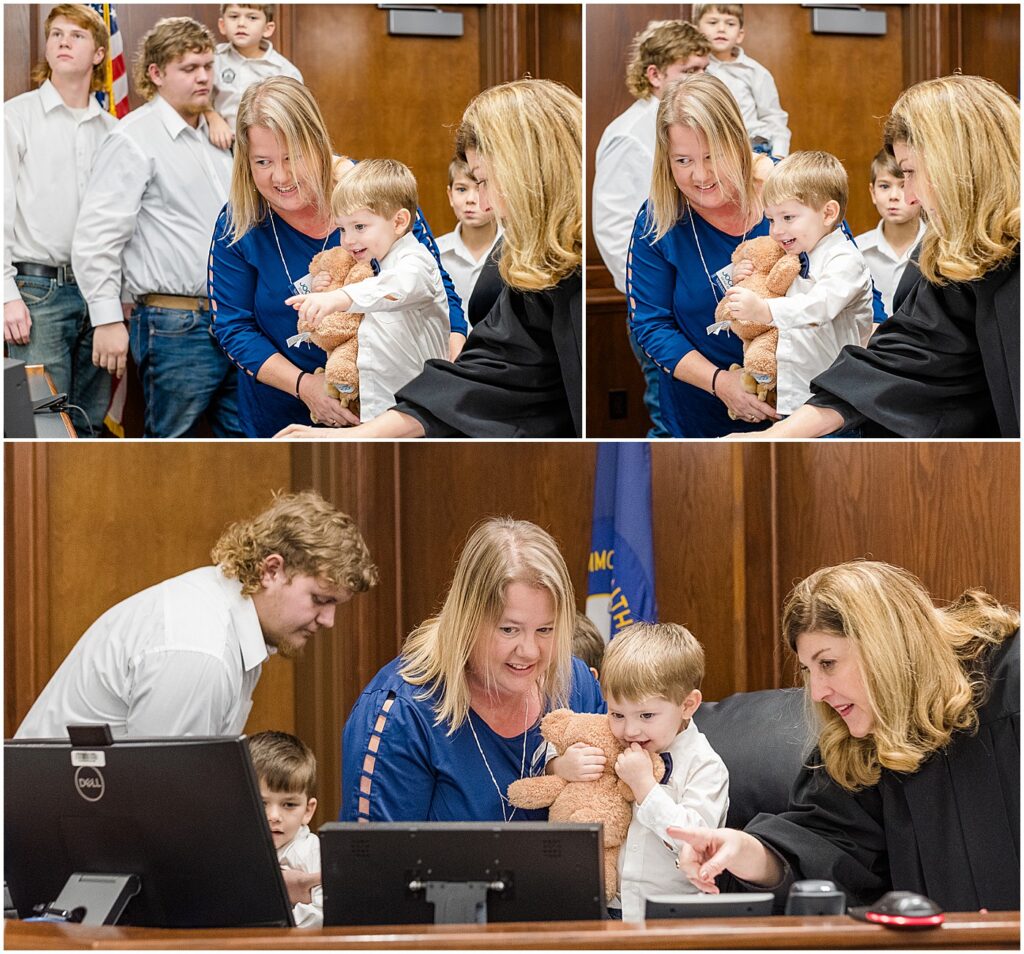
184, 815
461, 872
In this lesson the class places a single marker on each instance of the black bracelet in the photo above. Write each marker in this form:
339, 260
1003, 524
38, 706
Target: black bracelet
298, 381
714, 378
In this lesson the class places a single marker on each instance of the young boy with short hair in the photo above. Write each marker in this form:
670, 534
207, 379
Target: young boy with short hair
829, 305
748, 81
464, 251
405, 307
247, 57
651, 678
888, 247
588, 643
286, 770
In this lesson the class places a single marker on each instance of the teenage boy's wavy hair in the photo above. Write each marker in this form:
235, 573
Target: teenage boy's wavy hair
87, 19
169, 39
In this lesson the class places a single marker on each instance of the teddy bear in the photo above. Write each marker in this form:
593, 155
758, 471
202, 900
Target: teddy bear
608, 800
337, 333
774, 272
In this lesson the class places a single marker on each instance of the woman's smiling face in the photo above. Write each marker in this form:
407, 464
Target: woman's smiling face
278, 176
692, 169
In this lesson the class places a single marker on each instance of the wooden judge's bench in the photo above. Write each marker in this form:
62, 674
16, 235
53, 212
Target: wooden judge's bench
999, 929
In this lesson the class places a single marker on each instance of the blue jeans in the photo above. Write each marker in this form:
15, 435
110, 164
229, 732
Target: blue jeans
61, 341
184, 373
652, 392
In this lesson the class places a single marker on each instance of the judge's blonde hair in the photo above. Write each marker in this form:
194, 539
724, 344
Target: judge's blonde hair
289, 110
530, 132
965, 131
921, 666
704, 104
500, 551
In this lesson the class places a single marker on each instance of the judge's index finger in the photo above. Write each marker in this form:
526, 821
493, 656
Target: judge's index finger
690, 836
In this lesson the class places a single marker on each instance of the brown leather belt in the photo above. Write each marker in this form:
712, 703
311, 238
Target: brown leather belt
179, 302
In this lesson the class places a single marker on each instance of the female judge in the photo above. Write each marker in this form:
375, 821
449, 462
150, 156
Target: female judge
520, 374
442, 731
915, 780
947, 364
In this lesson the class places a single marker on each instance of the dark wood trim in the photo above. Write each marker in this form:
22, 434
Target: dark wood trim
933, 41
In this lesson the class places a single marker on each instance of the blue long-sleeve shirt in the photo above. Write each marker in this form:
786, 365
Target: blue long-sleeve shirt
420, 773
248, 285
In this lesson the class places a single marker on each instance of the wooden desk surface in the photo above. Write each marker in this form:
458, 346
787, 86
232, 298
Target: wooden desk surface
996, 930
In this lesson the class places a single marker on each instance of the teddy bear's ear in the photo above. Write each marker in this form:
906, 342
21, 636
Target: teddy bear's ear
554, 724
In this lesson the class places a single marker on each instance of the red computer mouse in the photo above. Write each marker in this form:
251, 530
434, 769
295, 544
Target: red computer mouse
901, 909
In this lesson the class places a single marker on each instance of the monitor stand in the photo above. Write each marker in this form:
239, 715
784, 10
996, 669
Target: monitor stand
93, 898
458, 902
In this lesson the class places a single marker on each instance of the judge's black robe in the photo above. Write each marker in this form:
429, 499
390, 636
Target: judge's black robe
487, 288
950, 831
947, 364
519, 375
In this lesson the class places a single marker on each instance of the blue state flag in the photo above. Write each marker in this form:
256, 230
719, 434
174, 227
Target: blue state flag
620, 581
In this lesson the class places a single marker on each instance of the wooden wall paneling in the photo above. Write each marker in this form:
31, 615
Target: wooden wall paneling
18, 51
613, 373
990, 43
26, 562
448, 488
359, 479
560, 44
931, 41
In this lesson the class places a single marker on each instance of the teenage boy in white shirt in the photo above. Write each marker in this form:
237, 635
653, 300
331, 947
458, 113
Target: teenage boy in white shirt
50, 137
464, 251
661, 52
748, 81
248, 57
404, 305
650, 677
888, 248
829, 305
144, 228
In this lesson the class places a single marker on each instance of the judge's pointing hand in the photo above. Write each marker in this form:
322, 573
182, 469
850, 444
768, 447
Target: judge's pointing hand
705, 853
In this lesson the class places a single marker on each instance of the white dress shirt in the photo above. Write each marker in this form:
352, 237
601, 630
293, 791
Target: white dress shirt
460, 265
695, 796
180, 658
48, 154
886, 266
622, 182
754, 89
405, 323
234, 74
147, 218
303, 854
820, 315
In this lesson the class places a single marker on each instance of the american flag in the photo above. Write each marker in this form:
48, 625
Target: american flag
114, 96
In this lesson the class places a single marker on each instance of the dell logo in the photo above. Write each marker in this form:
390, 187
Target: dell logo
89, 783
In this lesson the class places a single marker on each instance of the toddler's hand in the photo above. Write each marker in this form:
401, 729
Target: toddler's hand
744, 305
321, 282
742, 269
634, 766
580, 763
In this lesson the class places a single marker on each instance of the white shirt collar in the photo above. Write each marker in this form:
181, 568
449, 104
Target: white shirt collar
228, 49
52, 99
173, 121
460, 245
246, 623
741, 58
406, 242
876, 239
828, 244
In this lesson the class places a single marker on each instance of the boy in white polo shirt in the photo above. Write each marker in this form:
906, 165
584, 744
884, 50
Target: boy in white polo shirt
748, 81
829, 305
887, 248
404, 305
246, 58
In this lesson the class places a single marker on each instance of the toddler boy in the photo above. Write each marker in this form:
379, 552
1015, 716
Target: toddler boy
246, 58
405, 307
829, 305
464, 251
286, 770
748, 80
887, 248
651, 678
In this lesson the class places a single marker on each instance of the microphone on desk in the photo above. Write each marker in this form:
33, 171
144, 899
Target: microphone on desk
816, 898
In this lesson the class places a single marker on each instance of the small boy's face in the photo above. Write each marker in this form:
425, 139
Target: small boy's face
891, 203
368, 235
723, 31
286, 812
798, 227
245, 27
653, 723
464, 196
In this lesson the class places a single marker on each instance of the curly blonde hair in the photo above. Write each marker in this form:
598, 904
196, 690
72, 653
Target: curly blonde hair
500, 551
311, 536
965, 131
661, 43
531, 133
169, 39
921, 666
